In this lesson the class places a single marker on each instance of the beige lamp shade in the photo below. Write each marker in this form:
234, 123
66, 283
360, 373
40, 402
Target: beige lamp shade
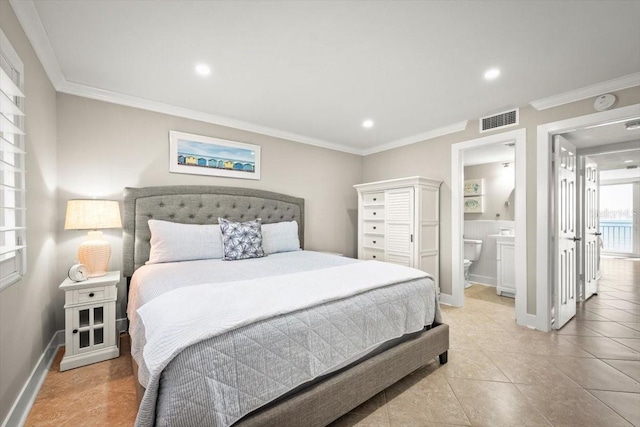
92, 214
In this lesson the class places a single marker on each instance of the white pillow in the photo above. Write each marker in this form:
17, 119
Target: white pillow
280, 237
171, 241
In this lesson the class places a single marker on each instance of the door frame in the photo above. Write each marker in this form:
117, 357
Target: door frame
544, 251
519, 136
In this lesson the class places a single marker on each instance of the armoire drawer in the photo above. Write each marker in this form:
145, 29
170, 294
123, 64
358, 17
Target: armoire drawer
372, 213
373, 241
372, 254
373, 198
373, 227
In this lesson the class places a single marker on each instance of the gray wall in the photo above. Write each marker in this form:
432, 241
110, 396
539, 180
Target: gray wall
498, 184
105, 147
28, 308
432, 159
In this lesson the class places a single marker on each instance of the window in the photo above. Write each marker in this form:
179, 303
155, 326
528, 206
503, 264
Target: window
12, 166
618, 218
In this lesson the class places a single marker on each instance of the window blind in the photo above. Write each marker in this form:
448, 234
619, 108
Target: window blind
13, 226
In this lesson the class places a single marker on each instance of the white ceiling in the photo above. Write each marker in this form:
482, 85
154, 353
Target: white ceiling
315, 70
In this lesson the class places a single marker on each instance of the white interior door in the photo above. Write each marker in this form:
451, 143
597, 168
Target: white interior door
591, 228
565, 238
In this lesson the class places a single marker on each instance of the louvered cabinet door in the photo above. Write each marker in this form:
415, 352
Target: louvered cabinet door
399, 212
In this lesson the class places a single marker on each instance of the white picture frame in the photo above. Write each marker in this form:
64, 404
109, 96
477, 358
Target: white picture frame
474, 187
204, 155
473, 204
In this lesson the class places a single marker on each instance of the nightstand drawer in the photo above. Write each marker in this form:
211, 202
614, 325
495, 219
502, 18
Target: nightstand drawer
372, 213
91, 294
373, 241
373, 227
373, 198
373, 254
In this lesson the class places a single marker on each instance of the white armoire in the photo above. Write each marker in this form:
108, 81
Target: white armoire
399, 222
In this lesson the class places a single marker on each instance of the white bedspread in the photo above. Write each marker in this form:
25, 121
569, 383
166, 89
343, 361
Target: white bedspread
204, 311
215, 381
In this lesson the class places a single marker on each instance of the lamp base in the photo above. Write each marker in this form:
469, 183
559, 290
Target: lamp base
95, 253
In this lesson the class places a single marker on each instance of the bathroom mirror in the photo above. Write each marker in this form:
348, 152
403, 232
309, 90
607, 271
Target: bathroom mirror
511, 206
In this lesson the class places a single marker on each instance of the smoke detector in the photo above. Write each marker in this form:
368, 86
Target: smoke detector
604, 102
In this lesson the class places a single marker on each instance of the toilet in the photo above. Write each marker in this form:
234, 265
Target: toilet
472, 250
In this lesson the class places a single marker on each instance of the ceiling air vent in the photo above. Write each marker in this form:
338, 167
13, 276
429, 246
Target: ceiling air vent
497, 121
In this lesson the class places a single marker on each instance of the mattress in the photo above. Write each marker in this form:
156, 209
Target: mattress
218, 380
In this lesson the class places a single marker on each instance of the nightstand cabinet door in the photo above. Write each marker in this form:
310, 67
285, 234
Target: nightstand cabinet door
91, 328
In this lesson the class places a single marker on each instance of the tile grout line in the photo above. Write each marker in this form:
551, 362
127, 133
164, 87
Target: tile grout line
610, 407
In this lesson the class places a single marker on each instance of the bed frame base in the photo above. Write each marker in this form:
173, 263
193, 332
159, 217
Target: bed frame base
338, 394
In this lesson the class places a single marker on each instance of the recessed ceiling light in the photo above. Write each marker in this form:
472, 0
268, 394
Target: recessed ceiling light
491, 73
367, 124
628, 161
203, 69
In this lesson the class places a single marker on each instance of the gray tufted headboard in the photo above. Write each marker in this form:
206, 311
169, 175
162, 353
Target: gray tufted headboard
198, 204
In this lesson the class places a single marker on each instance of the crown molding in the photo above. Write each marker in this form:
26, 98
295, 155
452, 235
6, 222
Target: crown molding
597, 89
28, 17
98, 94
160, 107
445, 130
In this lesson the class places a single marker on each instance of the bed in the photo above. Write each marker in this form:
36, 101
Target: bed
332, 357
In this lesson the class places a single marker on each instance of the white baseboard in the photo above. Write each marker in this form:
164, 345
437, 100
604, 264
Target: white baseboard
446, 299
20, 410
485, 280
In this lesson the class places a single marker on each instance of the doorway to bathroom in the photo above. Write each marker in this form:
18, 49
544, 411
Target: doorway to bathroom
489, 211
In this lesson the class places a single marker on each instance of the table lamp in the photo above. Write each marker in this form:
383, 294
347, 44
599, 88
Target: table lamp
92, 214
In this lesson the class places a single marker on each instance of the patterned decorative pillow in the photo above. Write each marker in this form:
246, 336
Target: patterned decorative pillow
241, 240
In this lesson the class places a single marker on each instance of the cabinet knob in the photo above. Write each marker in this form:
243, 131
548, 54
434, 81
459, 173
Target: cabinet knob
91, 295
75, 331
374, 213
374, 242
375, 228
374, 257
374, 199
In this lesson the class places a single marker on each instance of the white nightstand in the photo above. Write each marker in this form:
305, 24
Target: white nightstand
90, 320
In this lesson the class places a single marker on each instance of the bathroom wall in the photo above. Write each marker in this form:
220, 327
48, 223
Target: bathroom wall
499, 182
484, 270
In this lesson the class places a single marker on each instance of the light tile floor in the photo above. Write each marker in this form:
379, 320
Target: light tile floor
499, 374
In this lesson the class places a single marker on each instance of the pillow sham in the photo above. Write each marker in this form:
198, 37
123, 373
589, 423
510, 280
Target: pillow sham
280, 237
241, 240
172, 242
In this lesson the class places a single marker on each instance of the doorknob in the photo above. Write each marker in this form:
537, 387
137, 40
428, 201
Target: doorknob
577, 239
597, 234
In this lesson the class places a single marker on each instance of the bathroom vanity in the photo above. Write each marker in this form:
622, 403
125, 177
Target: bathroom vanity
506, 258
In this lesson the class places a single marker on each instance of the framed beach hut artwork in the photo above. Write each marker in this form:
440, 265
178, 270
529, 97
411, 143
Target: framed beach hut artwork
473, 187
203, 155
473, 204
